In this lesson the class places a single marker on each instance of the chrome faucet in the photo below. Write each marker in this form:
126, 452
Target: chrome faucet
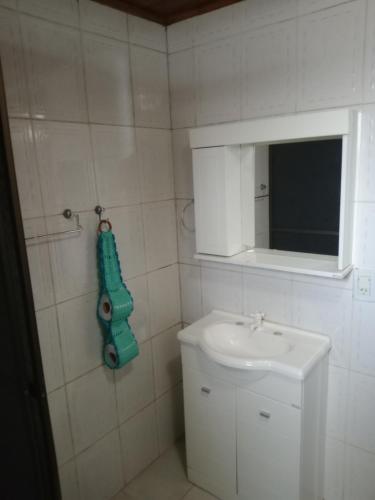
258, 320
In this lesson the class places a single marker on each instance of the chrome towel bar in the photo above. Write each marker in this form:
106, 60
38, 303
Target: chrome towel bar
68, 214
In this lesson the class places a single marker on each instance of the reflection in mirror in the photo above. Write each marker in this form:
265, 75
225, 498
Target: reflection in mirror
297, 196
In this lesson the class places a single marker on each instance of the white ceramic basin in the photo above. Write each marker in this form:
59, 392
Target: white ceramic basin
235, 342
238, 345
243, 342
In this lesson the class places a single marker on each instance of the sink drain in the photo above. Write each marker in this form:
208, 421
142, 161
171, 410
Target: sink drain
277, 333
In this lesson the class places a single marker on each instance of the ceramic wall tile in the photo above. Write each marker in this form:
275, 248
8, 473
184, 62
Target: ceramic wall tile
49, 341
150, 88
108, 80
92, 407
369, 67
103, 20
365, 174
11, 4
363, 341
159, 221
60, 425
328, 311
361, 432
191, 293
164, 294
65, 166
140, 317
217, 75
155, 163
166, 478
308, 6
268, 295
135, 384
180, 35
139, 442
81, 339
182, 164
100, 469
116, 168
26, 168
257, 13
54, 68
198, 494
128, 229
39, 265
186, 235
61, 11
221, 290
170, 417
147, 33
73, 258
12, 61
359, 474
334, 469
269, 51
364, 236
337, 404
167, 360
181, 82
330, 46
212, 26
69, 481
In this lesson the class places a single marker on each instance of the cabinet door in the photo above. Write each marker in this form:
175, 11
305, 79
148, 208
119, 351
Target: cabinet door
217, 200
261, 171
268, 447
262, 222
210, 432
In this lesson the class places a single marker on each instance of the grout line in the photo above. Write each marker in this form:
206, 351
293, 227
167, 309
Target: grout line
90, 292
101, 365
245, 30
103, 436
88, 122
108, 207
189, 490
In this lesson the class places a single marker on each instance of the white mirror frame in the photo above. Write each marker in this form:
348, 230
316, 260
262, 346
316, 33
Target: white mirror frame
343, 123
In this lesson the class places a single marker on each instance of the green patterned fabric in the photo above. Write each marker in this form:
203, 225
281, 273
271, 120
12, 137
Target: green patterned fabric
115, 305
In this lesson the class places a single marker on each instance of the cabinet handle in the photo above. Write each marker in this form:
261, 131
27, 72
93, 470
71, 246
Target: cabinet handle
265, 414
205, 390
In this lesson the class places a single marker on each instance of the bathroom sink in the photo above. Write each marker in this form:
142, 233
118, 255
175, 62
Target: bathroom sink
250, 343
238, 345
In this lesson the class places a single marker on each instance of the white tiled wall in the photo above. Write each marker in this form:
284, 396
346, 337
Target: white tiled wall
81, 79
97, 129
108, 80
259, 58
49, 45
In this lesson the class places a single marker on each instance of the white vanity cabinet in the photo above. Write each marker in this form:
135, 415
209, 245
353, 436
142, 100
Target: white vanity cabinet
210, 420
254, 434
268, 448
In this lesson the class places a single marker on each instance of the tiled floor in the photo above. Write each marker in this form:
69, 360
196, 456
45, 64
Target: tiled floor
165, 479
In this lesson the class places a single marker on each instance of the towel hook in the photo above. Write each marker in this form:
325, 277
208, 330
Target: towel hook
99, 211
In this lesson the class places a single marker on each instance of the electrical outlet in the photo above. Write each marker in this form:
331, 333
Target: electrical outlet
364, 285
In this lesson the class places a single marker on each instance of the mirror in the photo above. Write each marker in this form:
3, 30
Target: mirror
297, 196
